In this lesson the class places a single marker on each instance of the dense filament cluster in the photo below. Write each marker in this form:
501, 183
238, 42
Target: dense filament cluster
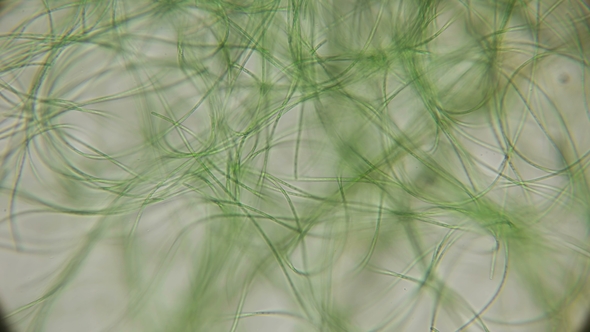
294, 165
